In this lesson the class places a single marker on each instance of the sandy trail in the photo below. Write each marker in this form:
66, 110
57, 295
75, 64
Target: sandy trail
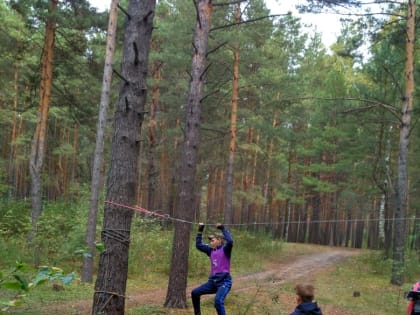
286, 269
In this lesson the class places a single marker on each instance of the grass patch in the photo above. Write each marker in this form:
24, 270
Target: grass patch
47, 299
361, 285
147, 310
149, 263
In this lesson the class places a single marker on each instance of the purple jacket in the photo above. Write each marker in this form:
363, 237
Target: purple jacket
220, 256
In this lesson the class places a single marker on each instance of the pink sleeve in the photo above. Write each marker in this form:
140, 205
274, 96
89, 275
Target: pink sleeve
410, 307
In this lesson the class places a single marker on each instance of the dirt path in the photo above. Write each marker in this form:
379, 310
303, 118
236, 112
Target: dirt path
293, 269
303, 267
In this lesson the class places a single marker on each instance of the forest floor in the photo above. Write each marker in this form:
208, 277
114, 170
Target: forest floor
261, 285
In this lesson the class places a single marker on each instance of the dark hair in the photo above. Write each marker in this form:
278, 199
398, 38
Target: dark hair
305, 291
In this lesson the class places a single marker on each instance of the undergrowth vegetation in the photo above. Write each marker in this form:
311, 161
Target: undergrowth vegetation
359, 286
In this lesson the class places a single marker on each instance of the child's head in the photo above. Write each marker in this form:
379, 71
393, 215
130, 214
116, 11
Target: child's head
216, 240
305, 292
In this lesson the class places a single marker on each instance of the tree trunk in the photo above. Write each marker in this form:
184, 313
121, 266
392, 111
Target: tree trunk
385, 185
39, 141
315, 231
359, 228
228, 215
253, 214
176, 294
153, 171
172, 198
13, 165
211, 194
388, 225
245, 215
402, 191
266, 209
110, 286
75, 151
290, 160
87, 269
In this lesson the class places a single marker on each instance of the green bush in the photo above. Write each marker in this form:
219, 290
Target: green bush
61, 230
15, 219
412, 267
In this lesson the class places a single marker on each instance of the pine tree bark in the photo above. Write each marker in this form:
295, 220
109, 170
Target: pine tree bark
110, 286
176, 294
12, 168
402, 189
75, 152
228, 215
211, 194
36, 159
253, 208
315, 230
153, 171
245, 215
266, 207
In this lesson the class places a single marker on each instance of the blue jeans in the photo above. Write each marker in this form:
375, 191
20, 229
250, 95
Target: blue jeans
219, 284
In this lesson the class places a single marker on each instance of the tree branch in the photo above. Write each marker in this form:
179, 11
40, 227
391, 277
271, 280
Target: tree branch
216, 48
228, 3
247, 21
371, 104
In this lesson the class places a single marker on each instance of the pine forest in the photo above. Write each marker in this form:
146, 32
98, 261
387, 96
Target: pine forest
205, 111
